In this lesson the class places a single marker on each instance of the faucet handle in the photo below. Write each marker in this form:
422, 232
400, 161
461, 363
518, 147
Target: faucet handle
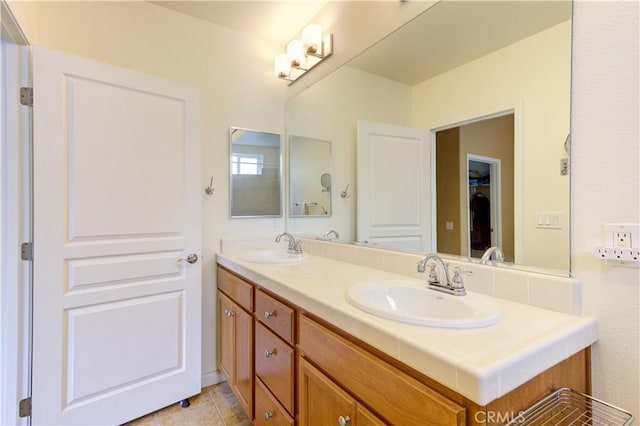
457, 282
434, 278
297, 247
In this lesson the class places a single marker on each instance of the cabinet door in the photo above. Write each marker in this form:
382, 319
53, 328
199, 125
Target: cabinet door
322, 402
235, 350
226, 343
244, 359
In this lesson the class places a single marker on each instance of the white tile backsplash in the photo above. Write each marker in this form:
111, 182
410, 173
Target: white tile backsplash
542, 290
511, 285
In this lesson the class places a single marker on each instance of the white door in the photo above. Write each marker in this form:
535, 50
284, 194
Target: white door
116, 315
394, 200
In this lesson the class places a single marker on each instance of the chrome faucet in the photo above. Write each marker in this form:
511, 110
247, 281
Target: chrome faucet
492, 253
453, 286
326, 236
295, 247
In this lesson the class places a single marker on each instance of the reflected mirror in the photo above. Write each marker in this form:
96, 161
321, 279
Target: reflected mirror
309, 177
459, 64
255, 165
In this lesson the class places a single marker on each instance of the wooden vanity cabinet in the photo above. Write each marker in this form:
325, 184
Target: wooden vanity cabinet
396, 397
291, 367
235, 331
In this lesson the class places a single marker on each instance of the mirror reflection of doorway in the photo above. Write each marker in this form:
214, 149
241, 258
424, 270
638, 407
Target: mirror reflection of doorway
483, 205
490, 138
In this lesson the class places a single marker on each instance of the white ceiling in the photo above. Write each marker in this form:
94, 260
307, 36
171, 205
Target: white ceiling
275, 22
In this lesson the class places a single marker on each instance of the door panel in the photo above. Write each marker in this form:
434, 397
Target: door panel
393, 186
147, 200
140, 350
116, 206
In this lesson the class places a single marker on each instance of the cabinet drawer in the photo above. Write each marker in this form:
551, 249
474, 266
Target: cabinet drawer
397, 396
237, 289
275, 363
268, 411
275, 315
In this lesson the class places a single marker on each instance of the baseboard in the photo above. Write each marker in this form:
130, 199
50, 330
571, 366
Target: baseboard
212, 379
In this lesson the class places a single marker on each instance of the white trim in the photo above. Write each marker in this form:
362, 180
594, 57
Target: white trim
15, 205
212, 379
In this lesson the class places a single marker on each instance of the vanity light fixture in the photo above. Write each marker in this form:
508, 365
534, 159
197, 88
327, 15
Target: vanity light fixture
303, 54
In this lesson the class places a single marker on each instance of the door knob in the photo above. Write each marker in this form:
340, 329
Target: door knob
191, 258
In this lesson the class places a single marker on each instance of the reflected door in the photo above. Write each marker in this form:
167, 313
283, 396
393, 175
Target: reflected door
116, 313
393, 186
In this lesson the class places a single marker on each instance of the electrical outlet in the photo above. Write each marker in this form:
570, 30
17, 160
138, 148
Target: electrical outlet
622, 239
623, 235
618, 256
621, 242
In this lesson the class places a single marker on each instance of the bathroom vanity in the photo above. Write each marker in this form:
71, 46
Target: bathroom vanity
295, 352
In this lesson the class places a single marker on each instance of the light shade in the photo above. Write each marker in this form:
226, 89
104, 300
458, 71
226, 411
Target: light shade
282, 66
312, 39
295, 53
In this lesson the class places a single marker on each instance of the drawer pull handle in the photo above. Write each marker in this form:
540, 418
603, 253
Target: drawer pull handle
344, 420
268, 415
269, 314
228, 312
269, 353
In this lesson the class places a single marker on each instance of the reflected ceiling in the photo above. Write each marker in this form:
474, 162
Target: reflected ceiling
488, 26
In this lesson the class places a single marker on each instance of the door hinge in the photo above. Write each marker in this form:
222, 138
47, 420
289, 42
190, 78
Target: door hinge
26, 251
24, 407
26, 96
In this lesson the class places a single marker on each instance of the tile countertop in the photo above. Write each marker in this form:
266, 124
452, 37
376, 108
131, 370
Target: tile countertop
482, 364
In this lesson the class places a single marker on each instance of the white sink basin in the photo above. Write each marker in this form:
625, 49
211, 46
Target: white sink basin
403, 301
272, 256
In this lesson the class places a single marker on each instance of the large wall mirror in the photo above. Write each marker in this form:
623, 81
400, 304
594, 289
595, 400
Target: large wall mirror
309, 177
460, 71
256, 173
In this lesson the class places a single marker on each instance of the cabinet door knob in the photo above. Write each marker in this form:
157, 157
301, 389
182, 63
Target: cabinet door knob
228, 312
269, 314
344, 420
269, 353
268, 415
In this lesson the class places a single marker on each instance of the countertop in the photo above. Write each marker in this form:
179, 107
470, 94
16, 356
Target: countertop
481, 364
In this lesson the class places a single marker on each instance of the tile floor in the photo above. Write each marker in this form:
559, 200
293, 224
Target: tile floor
216, 405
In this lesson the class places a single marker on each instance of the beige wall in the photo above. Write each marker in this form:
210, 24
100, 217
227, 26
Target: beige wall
532, 75
448, 191
605, 174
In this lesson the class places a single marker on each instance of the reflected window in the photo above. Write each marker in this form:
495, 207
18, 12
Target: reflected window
247, 164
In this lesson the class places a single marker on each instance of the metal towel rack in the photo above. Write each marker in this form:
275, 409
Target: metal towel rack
566, 407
